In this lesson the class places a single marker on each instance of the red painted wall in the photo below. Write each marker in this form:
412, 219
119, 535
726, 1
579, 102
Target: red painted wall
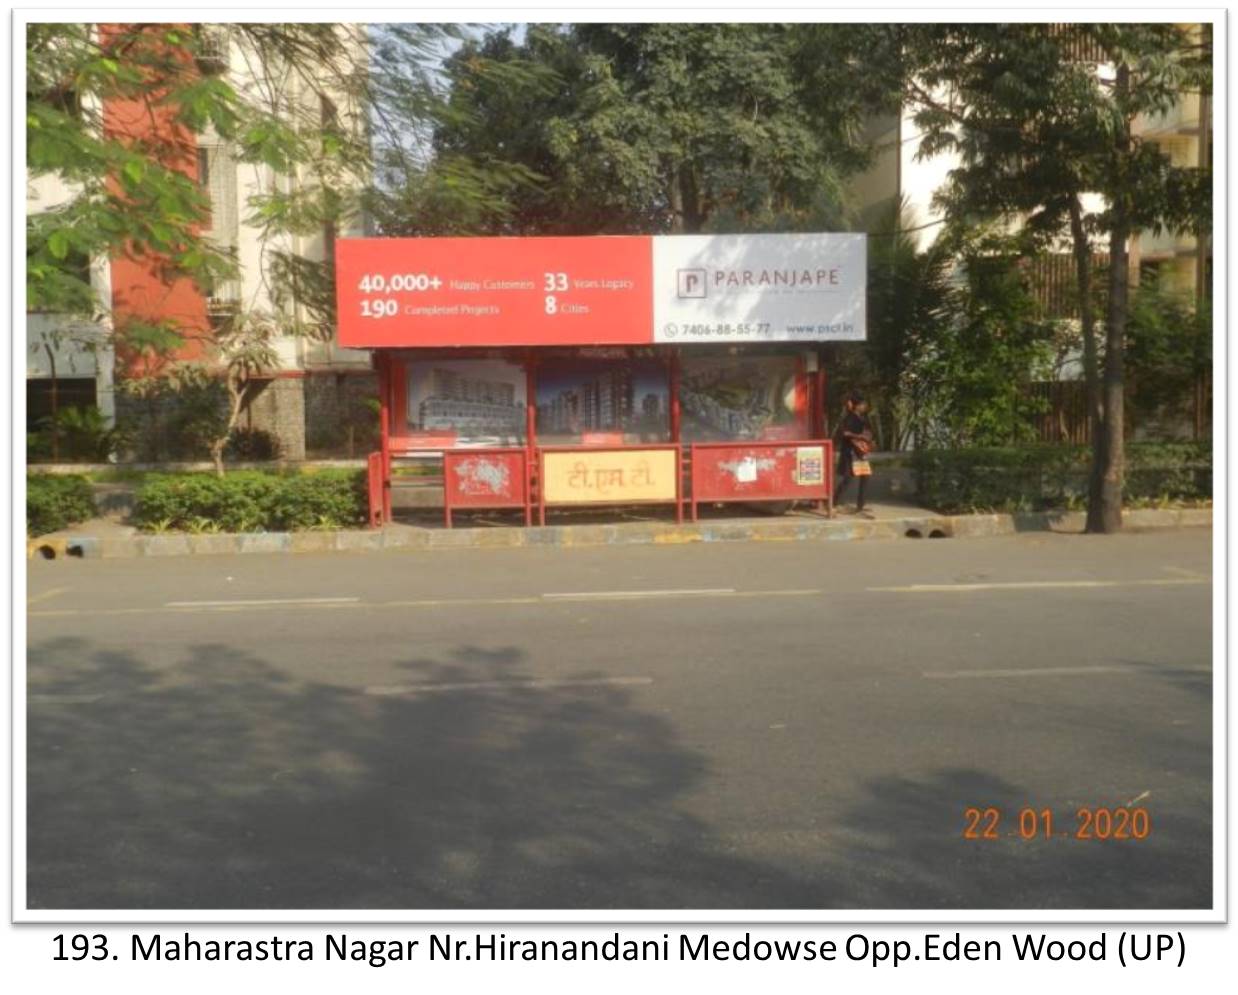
140, 289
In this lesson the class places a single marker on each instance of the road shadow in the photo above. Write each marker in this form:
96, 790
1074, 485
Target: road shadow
912, 829
218, 781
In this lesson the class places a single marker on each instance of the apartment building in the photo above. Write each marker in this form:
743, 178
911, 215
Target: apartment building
1184, 133
316, 383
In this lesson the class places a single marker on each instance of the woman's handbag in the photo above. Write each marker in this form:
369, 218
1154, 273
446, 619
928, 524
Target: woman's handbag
861, 468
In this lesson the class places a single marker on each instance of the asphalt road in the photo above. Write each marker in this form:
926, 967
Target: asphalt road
767, 725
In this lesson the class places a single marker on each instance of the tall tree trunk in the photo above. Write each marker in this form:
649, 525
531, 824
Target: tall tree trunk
1105, 502
675, 196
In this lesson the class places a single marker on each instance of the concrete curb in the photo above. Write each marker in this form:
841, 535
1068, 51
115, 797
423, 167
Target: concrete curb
927, 526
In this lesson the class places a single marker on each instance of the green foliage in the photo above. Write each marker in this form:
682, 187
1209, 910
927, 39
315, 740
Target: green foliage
1037, 478
910, 297
1034, 129
1168, 350
965, 364
252, 445
325, 499
614, 128
82, 435
56, 501
136, 197
177, 413
251, 501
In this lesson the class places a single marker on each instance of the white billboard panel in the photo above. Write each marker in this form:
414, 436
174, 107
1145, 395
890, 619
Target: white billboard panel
759, 288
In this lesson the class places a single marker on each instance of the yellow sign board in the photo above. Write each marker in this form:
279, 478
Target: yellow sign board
612, 476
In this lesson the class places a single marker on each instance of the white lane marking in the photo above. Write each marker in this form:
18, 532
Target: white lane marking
259, 601
512, 685
1138, 798
209, 607
686, 592
1029, 585
62, 699
949, 675
51, 593
1183, 572
450, 602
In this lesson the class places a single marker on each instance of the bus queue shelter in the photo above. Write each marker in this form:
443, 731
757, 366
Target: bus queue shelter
604, 370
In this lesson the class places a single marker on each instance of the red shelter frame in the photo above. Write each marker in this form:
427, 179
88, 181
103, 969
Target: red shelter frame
390, 366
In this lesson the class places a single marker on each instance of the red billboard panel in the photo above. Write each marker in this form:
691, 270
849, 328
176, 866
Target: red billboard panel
419, 292
761, 471
485, 478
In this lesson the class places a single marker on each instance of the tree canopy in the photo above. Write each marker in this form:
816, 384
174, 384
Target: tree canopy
659, 127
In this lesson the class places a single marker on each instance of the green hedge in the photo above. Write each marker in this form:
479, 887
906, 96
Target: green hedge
55, 501
252, 501
1037, 478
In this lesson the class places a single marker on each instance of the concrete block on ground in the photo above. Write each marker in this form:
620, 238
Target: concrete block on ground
120, 548
547, 535
980, 526
163, 545
721, 532
265, 542
405, 537
489, 538
352, 540
311, 542
1195, 518
51, 547
87, 547
215, 543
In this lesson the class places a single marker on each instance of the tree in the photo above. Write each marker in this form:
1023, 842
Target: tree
659, 128
910, 299
420, 187
1037, 128
1169, 353
135, 192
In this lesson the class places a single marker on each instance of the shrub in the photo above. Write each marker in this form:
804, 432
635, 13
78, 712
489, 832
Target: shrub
326, 499
252, 445
81, 434
251, 501
1034, 478
54, 501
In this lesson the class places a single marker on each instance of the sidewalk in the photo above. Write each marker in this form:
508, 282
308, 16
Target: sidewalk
106, 539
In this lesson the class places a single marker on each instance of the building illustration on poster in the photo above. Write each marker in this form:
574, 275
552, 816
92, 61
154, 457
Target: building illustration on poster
574, 398
727, 398
481, 401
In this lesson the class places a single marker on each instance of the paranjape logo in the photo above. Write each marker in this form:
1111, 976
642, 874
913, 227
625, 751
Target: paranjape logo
798, 278
691, 283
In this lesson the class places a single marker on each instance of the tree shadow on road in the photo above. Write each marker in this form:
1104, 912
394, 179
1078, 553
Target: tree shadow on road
912, 830
221, 782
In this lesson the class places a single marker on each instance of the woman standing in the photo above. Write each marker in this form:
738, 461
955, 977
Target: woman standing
854, 441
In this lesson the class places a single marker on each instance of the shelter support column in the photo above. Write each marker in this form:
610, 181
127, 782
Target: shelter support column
384, 424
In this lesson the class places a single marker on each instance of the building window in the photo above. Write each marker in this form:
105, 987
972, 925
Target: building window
71, 392
217, 178
211, 47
